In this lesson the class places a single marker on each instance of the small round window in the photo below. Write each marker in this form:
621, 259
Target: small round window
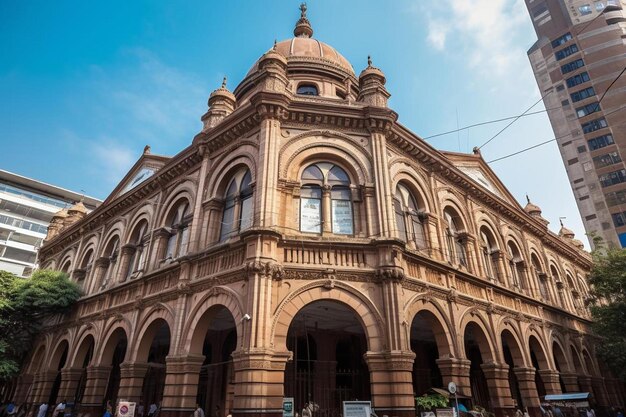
307, 90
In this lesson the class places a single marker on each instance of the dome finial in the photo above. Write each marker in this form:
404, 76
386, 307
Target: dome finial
369, 60
275, 44
527, 199
224, 82
303, 26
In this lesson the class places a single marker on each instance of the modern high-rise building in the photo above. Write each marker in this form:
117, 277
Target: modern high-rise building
580, 52
26, 209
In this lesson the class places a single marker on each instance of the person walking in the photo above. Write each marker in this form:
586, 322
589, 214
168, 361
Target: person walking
199, 412
43, 410
59, 409
152, 410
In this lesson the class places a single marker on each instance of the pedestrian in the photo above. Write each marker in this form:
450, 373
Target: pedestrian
108, 412
526, 412
43, 410
11, 409
59, 409
518, 413
152, 410
306, 411
199, 411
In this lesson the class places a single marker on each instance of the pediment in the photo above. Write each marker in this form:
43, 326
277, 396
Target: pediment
145, 167
474, 167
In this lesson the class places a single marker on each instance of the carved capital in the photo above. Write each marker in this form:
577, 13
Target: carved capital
269, 269
390, 273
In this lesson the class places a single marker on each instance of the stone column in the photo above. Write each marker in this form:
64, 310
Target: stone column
127, 252
42, 386
391, 382
95, 390
457, 371
24, 384
131, 380
528, 390
570, 381
497, 376
501, 273
584, 382
327, 226
551, 381
69, 382
181, 385
600, 392
259, 379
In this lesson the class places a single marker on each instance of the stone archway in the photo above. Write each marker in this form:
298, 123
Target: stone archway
568, 384
429, 341
478, 352
57, 362
544, 376
113, 356
152, 350
215, 338
328, 343
75, 377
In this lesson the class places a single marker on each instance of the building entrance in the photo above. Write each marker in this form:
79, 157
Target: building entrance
328, 343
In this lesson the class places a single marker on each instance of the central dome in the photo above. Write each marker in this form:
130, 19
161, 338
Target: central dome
302, 48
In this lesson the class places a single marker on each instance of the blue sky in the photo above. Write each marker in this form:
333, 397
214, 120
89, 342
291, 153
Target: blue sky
84, 86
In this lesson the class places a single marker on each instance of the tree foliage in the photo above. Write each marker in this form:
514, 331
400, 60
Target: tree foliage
24, 304
428, 402
608, 307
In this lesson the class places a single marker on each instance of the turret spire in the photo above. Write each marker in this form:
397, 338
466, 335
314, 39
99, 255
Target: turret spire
303, 26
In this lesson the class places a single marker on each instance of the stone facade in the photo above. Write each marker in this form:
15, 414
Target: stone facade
306, 244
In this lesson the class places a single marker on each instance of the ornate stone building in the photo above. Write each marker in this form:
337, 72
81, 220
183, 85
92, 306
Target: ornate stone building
308, 245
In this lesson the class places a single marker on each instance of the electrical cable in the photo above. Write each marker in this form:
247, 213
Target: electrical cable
515, 120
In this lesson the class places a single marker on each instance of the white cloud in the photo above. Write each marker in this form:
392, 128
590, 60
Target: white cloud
485, 31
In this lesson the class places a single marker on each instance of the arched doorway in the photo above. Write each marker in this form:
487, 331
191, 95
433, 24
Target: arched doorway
426, 334
477, 351
56, 364
215, 337
114, 355
82, 360
539, 362
328, 343
153, 350
561, 364
513, 358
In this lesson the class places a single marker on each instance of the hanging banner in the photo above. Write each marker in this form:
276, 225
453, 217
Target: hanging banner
310, 215
288, 407
126, 409
342, 217
357, 408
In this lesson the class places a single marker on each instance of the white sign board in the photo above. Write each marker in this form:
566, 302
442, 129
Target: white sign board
126, 409
342, 217
357, 408
310, 215
288, 407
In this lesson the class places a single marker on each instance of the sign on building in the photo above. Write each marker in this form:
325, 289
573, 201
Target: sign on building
357, 408
126, 409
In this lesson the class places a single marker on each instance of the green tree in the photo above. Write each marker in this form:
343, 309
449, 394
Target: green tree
24, 304
608, 306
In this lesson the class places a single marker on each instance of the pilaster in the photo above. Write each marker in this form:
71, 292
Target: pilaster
95, 390
391, 382
131, 380
551, 381
497, 376
181, 385
458, 371
528, 390
571, 382
69, 383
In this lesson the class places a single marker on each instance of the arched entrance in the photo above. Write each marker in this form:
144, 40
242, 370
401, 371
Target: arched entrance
477, 350
153, 350
328, 343
424, 343
514, 358
82, 360
539, 362
215, 337
561, 365
56, 364
114, 355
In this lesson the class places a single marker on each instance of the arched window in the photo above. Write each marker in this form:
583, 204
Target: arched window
137, 249
85, 267
66, 266
179, 222
541, 277
307, 90
111, 253
454, 238
238, 205
489, 250
516, 266
559, 284
326, 200
409, 218
576, 300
